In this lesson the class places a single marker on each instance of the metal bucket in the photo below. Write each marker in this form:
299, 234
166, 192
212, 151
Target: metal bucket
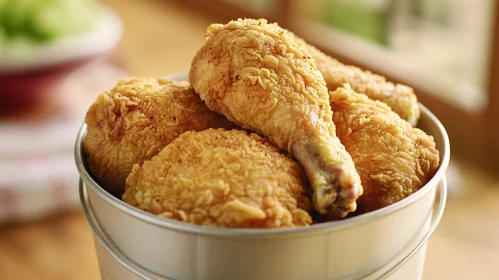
387, 243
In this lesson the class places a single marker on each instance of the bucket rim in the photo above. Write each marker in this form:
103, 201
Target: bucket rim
276, 232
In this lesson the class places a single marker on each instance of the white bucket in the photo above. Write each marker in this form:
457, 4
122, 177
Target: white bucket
387, 243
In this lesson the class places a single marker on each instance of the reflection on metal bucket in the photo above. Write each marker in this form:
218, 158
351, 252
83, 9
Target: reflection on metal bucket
387, 243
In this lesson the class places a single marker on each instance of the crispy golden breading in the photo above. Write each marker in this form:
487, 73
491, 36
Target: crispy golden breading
400, 98
135, 120
258, 76
393, 159
222, 178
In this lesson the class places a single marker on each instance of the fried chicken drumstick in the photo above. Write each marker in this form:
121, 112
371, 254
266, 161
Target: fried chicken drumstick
135, 120
260, 77
393, 159
400, 98
222, 178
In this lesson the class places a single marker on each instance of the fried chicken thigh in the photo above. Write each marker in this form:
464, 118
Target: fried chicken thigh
399, 97
222, 178
393, 159
258, 76
135, 120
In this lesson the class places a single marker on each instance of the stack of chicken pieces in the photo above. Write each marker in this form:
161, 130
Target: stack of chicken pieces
268, 132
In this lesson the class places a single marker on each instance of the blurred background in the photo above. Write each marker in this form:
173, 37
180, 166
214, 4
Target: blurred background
56, 56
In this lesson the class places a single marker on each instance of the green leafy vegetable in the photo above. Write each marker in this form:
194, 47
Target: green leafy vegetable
38, 21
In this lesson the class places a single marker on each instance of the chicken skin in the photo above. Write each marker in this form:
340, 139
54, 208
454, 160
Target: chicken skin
400, 98
135, 120
259, 77
224, 178
393, 159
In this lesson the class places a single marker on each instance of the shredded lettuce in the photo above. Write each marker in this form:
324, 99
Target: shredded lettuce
39, 21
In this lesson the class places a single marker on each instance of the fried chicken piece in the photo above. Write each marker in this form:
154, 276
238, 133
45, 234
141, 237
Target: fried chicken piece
256, 75
400, 98
135, 120
222, 178
394, 160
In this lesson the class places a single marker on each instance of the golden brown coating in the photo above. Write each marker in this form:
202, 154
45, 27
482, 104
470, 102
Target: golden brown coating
394, 160
258, 76
135, 120
222, 178
400, 98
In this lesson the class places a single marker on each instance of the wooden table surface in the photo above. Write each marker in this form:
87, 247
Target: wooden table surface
160, 39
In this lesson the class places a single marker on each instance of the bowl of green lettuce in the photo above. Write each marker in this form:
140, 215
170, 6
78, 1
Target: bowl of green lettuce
41, 41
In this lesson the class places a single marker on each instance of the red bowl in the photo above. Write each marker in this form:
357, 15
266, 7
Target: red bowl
26, 89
